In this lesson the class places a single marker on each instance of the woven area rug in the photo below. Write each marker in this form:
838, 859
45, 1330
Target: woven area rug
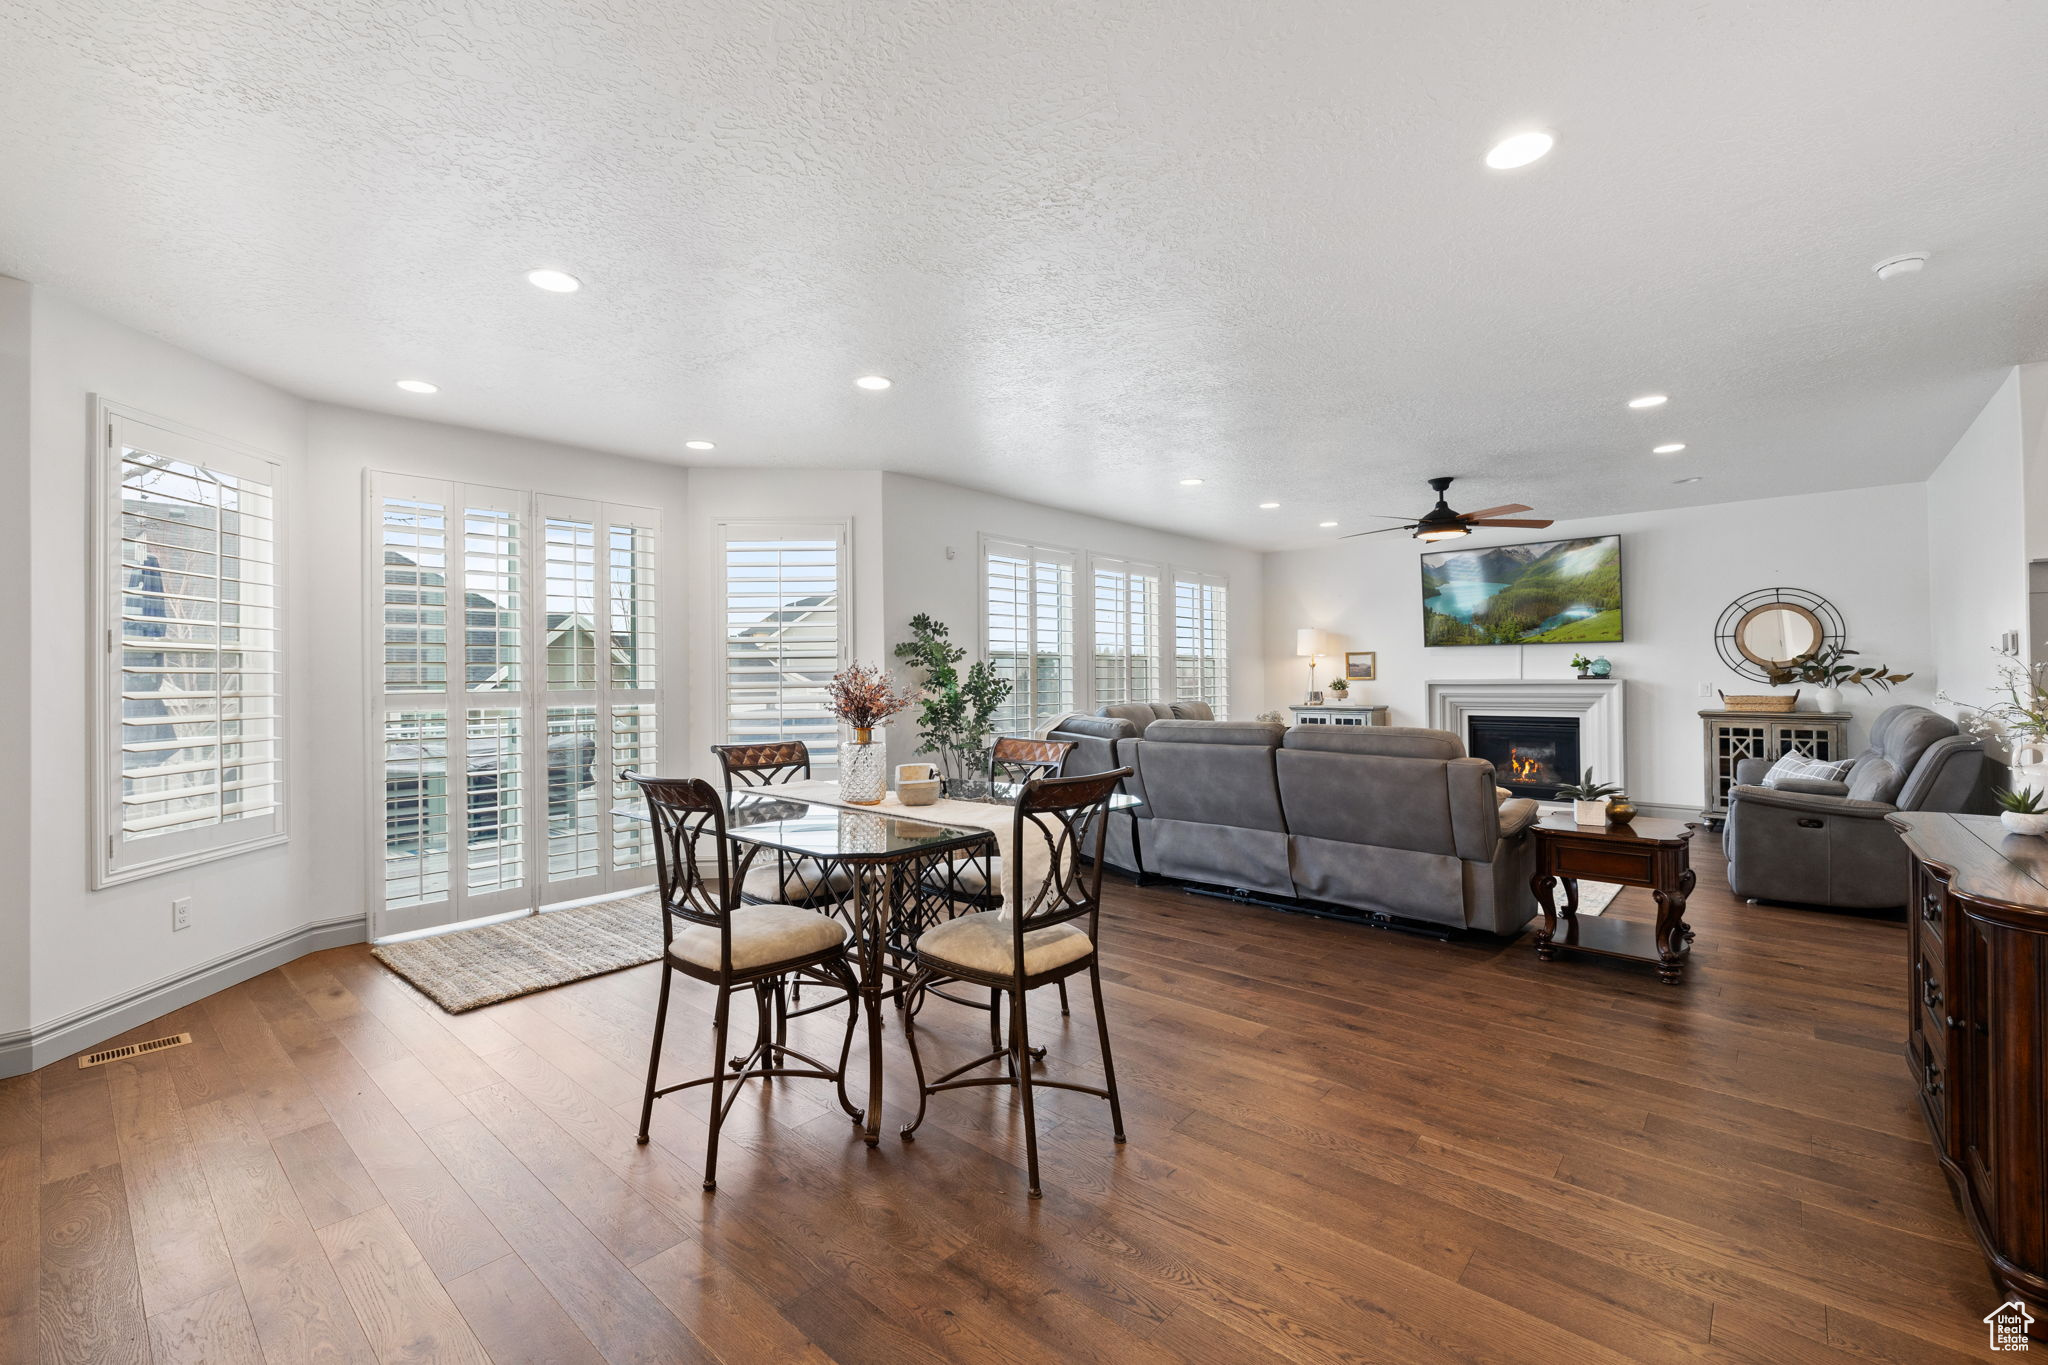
1593, 897
473, 967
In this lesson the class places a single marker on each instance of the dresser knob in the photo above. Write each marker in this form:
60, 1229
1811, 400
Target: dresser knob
1950, 1021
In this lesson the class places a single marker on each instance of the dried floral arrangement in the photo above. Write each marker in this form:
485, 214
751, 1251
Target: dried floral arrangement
2023, 714
865, 697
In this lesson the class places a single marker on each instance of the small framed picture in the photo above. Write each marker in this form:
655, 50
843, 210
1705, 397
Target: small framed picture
1362, 665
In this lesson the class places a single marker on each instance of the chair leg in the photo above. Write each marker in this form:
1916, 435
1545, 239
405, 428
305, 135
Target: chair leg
1064, 1011
909, 1131
718, 1024
845, 978
995, 1024
654, 1055
1116, 1109
1020, 1046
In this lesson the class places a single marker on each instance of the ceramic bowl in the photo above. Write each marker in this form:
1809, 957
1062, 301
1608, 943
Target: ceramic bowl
918, 793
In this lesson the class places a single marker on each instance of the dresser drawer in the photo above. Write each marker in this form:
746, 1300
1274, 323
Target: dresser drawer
1928, 1062
1930, 902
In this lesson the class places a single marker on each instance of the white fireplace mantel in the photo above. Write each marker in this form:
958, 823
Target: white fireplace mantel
1597, 703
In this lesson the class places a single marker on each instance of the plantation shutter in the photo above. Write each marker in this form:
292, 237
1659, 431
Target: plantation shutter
1125, 639
1201, 639
1028, 597
785, 633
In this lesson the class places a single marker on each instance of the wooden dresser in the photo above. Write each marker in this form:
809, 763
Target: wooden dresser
1977, 1040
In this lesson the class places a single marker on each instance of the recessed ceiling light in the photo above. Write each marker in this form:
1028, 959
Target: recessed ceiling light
418, 386
1672, 449
554, 281
1909, 263
1694, 479
1649, 400
1267, 506
1519, 150
698, 445
874, 383
1190, 483
1326, 525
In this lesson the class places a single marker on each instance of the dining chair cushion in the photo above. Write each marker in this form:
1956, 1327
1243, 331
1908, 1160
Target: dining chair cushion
803, 881
761, 934
981, 943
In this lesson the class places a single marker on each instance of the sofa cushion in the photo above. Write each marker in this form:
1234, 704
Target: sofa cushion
1799, 767
1368, 800
1254, 733
1096, 727
1876, 778
1393, 741
1210, 772
1191, 710
1140, 714
1903, 733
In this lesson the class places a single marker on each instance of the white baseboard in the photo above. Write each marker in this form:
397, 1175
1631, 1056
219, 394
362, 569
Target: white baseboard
42, 1044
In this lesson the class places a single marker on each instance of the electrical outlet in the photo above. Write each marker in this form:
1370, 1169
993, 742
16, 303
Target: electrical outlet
1706, 689
181, 913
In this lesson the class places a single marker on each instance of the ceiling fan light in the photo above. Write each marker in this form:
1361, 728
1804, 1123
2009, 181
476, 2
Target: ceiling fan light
1442, 532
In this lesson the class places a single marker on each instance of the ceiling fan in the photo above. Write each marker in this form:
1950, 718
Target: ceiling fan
1441, 523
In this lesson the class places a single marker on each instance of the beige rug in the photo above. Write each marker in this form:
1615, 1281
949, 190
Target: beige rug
473, 967
1593, 897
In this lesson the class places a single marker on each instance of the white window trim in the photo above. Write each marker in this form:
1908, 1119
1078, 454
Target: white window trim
1170, 612
1082, 625
727, 529
108, 865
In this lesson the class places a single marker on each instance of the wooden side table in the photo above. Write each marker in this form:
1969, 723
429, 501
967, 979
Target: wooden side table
1647, 852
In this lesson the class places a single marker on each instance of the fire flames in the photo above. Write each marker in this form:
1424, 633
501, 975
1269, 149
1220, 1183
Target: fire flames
1523, 769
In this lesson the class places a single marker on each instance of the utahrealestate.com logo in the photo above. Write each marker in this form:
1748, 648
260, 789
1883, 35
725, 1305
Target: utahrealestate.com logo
2009, 1323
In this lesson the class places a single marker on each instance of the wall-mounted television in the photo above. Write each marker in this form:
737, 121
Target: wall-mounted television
1565, 592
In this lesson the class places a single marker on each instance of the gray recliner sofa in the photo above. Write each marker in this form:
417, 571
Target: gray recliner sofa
1370, 820
1827, 843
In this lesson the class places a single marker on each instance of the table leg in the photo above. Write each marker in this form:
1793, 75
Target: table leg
873, 916
1544, 885
1674, 936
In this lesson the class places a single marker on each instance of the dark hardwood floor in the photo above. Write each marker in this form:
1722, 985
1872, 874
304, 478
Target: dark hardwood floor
1345, 1144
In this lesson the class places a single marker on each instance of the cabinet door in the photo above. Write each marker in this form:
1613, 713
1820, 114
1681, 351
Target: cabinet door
1817, 741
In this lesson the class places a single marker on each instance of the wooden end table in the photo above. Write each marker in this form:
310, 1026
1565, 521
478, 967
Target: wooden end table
1646, 852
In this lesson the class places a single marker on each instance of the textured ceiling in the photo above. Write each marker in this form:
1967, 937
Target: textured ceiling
1098, 247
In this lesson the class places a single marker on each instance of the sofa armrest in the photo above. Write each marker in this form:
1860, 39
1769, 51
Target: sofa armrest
1811, 786
1806, 803
1094, 727
1517, 814
1749, 772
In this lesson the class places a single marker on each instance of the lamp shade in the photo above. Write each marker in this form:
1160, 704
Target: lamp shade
1308, 643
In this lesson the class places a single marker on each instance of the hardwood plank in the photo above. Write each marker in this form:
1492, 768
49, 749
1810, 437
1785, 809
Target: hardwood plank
295, 1304
90, 1305
331, 1184
21, 1181
215, 1330
517, 1320
278, 1095
178, 1245
402, 1307
600, 1295
78, 1121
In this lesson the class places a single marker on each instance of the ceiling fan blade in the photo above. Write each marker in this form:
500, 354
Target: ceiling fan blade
1498, 521
1379, 532
1500, 511
1386, 516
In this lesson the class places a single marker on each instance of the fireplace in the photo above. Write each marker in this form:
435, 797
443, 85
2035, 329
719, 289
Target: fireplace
1534, 755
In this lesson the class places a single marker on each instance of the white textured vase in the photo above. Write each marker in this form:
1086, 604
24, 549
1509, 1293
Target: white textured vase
861, 780
1827, 699
2019, 822
1590, 812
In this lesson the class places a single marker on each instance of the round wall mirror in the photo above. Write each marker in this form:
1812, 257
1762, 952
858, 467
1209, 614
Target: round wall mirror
1776, 634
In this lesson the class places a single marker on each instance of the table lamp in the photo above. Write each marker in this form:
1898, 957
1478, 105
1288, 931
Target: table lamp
1308, 644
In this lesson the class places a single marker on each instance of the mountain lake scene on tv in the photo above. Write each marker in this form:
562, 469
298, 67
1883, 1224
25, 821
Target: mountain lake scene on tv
1547, 592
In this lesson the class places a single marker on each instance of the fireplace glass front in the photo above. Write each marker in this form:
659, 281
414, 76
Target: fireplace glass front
1534, 755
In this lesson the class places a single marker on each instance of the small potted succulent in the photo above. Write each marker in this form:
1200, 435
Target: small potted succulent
1589, 799
2022, 811
1342, 688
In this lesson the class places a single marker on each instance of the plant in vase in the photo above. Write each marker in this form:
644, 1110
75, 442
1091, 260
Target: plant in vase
1826, 671
1582, 666
864, 699
1589, 799
956, 719
2022, 811
2019, 723
1342, 687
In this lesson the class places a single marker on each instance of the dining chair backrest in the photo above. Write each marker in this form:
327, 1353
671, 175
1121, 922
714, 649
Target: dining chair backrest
1020, 760
689, 832
763, 765
1066, 815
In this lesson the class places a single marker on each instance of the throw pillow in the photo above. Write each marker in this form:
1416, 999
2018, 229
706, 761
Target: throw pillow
1810, 769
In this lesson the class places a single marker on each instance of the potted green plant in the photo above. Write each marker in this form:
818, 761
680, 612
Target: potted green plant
1583, 666
1826, 671
956, 713
1589, 799
2019, 723
1342, 687
2022, 811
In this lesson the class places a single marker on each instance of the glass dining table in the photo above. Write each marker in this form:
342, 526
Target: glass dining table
897, 870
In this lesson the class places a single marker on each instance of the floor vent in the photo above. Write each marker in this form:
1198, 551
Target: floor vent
127, 1050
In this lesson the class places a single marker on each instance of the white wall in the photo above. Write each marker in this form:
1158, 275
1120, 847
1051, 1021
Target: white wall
17, 796
1865, 550
926, 518
89, 947
1977, 534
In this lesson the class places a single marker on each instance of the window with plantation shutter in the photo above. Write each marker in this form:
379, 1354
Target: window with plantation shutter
515, 640
1028, 613
1201, 661
190, 739
1124, 649
785, 632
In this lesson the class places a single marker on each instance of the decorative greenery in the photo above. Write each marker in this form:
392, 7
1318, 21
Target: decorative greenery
956, 714
1825, 668
1581, 662
1588, 790
1340, 686
2024, 712
1270, 716
865, 697
2025, 801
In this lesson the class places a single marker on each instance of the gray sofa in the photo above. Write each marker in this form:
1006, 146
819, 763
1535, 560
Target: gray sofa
1372, 820
1827, 843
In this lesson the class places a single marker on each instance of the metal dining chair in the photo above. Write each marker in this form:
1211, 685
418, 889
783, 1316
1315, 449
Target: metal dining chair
789, 880
710, 935
1037, 941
